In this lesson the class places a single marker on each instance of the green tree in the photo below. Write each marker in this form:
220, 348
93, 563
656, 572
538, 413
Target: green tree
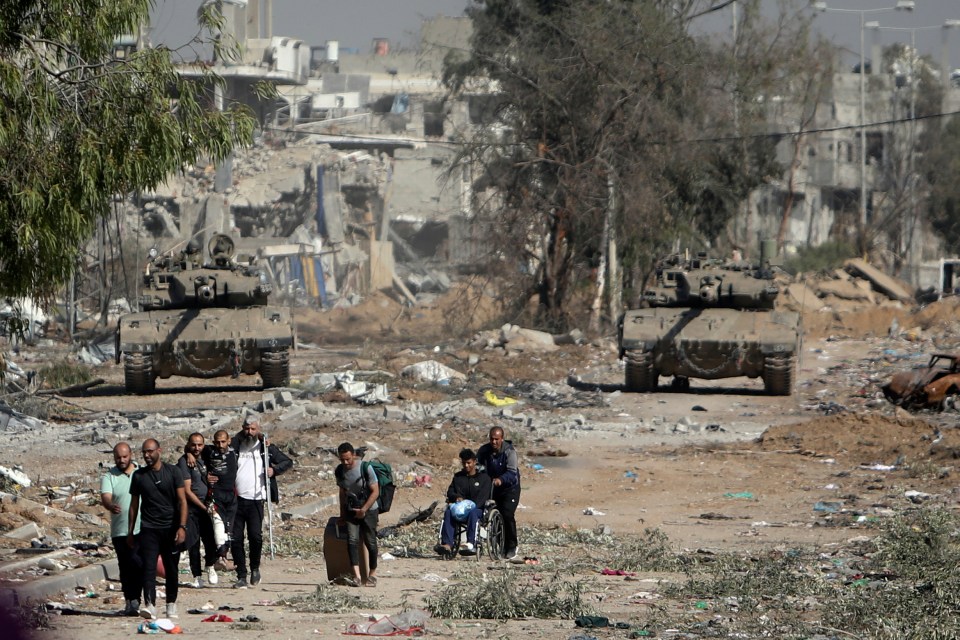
940, 165
589, 159
79, 125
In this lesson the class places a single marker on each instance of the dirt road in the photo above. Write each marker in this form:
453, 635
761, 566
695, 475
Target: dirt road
721, 466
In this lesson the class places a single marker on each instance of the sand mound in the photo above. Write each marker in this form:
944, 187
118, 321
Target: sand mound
864, 439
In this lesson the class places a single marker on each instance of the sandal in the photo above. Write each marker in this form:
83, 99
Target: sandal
351, 582
371, 581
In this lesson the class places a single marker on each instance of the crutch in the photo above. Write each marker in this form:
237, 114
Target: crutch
266, 483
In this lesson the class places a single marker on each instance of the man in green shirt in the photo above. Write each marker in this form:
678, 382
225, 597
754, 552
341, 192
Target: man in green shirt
115, 498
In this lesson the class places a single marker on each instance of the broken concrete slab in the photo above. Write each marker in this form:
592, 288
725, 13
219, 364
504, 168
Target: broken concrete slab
845, 290
880, 281
28, 531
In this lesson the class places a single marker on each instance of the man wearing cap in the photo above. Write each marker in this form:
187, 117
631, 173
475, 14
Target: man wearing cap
251, 483
467, 484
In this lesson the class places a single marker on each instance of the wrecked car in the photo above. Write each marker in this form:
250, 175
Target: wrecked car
934, 386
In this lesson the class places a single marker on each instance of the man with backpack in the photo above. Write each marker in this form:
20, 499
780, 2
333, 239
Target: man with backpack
359, 490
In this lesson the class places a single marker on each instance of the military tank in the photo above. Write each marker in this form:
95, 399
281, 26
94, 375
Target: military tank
204, 320
710, 319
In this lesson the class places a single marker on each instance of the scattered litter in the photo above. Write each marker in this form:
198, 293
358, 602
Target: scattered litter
432, 577
740, 495
879, 467
590, 511
388, 556
630, 474
218, 617
431, 371
497, 401
407, 623
616, 572
249, 618
827, 507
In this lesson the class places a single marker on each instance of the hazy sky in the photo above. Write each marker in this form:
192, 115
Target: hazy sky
354, 23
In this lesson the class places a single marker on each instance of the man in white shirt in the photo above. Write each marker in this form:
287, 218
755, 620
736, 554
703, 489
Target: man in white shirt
252, 490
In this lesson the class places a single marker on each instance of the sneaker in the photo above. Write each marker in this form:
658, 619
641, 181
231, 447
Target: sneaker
172, 610
148, 611
212, 576
241, 583
510, 554
195, 583
469, 548
255, 577
133, 608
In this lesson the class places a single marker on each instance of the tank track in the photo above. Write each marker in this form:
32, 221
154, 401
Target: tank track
640, 374
138, 376
778, 375
275, 368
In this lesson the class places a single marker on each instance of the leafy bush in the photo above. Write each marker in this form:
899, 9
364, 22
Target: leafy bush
824, 257
507, 596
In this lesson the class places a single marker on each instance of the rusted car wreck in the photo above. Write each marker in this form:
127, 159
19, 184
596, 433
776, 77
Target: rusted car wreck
935, 386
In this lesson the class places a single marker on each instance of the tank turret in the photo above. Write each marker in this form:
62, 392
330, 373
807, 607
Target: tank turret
702, 282
204, 320
182, 281
710, 319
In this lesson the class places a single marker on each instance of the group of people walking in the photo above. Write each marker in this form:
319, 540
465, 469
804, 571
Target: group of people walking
159, 510
211, 502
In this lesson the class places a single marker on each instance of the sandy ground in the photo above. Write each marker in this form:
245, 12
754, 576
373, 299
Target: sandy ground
743, 471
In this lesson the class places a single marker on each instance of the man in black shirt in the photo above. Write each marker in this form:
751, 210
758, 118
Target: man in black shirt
158, 499
467, 484
199, 525
221, 462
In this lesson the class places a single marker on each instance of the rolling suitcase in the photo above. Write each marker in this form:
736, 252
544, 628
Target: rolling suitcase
335, 553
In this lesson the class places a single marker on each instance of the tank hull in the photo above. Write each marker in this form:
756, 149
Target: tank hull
709, 343
205, 343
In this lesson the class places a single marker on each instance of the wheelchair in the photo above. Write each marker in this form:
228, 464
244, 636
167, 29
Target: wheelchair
490, 536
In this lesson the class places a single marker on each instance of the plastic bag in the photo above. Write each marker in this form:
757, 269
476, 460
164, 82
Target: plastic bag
460, 511
219, 531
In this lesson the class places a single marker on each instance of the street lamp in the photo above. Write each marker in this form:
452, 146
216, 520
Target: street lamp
902, 5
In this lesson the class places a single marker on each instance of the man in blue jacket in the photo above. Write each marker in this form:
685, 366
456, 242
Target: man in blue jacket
499, 459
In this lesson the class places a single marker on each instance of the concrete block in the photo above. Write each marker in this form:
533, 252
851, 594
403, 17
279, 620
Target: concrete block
28, 531
268, 402
393, 413
284, 398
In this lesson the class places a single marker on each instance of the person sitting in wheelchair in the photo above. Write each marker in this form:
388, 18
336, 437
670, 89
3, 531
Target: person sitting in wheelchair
467, 494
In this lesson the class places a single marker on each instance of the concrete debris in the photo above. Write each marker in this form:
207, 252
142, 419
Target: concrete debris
28, 531
432, 371
846, 290
880, 281
363, 392
15, 476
